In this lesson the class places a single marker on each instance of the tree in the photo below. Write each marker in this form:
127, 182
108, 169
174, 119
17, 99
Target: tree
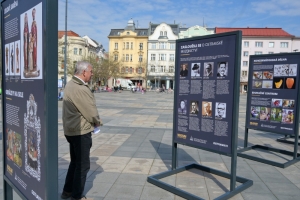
61, 58
109, 67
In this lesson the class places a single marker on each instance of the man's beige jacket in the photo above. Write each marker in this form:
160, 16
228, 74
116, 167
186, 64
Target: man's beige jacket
80, 113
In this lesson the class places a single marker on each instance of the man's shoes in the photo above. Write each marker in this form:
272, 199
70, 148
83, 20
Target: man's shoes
82, 198
65, 195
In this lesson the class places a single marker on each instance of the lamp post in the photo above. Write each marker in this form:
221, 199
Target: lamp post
65, 63
140, 59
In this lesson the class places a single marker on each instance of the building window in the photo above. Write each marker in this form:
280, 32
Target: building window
75, 51
172, 45
271, 52
246, 44
257, 52
245, 63
246, 53
116, 57
172, 57
74, 64
258, 44
131, 45
152, 57
162, 57
165, 33
152, 68
126, 70
62, 66
244, 73
171, 69
140, 70
63, 50
80, 51
130, 57
161, 33
284, 44
123, 70
127, 45
162, 45
140, 58
127, 57
162, 68
153, 45
130, 70
116, 46
271, 44
141, 46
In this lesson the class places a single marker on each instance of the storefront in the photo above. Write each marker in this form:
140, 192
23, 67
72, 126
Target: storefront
160, 81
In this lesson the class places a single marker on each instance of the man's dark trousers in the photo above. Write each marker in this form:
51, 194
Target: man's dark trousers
80, 146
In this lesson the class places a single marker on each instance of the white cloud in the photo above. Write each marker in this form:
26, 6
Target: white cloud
277, 7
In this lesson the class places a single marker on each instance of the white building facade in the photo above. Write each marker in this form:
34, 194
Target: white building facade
256, 41
161, 54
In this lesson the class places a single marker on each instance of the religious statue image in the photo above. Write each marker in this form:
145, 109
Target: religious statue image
31, 69
17, 59
26, 35
12, 59
6, 59
34, 36
32, 137
30, 50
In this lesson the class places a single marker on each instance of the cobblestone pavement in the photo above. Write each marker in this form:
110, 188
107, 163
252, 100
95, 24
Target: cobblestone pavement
136, 142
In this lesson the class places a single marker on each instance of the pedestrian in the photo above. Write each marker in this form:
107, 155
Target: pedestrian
80, 118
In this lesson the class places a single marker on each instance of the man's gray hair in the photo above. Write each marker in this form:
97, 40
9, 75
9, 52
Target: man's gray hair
81, 66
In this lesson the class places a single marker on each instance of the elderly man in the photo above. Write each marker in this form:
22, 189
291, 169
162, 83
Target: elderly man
194, 107
208, 70
207, 109
80, 118
220, 110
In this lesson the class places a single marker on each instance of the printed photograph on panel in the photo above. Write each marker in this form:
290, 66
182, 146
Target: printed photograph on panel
288, 103
276, 103
220, 110
208, 69
281, 70
255, 110
32, 136
184, 70
287, 116
267, 75
182, 107
31, 43
195, 69
222, 69
257, 75
257, 84
17, 57
290, 83
14, 146
278, 83
293, 70
265, 113
194, 107
267, 84
206, 109
7, 53
276, 114
12, 59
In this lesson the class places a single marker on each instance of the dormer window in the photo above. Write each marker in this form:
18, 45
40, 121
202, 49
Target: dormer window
128, 33
161, 33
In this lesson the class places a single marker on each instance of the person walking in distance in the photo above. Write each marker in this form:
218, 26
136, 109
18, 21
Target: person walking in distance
80, 118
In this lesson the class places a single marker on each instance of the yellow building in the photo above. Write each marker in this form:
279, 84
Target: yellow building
129, 45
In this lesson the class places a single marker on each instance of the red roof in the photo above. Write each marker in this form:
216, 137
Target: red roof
260, 32
69, 33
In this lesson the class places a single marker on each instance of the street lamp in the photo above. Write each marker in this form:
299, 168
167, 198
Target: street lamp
140, 59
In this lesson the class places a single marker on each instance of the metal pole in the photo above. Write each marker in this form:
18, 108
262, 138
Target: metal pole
65, 63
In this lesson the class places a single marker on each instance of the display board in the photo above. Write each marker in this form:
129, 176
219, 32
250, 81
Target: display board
273, 90
26, 96
206, 70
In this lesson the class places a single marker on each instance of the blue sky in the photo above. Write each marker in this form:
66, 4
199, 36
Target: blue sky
95, 18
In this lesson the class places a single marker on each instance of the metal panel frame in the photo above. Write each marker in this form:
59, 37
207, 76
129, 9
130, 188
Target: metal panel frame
232, 176
50, 29
295, 155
